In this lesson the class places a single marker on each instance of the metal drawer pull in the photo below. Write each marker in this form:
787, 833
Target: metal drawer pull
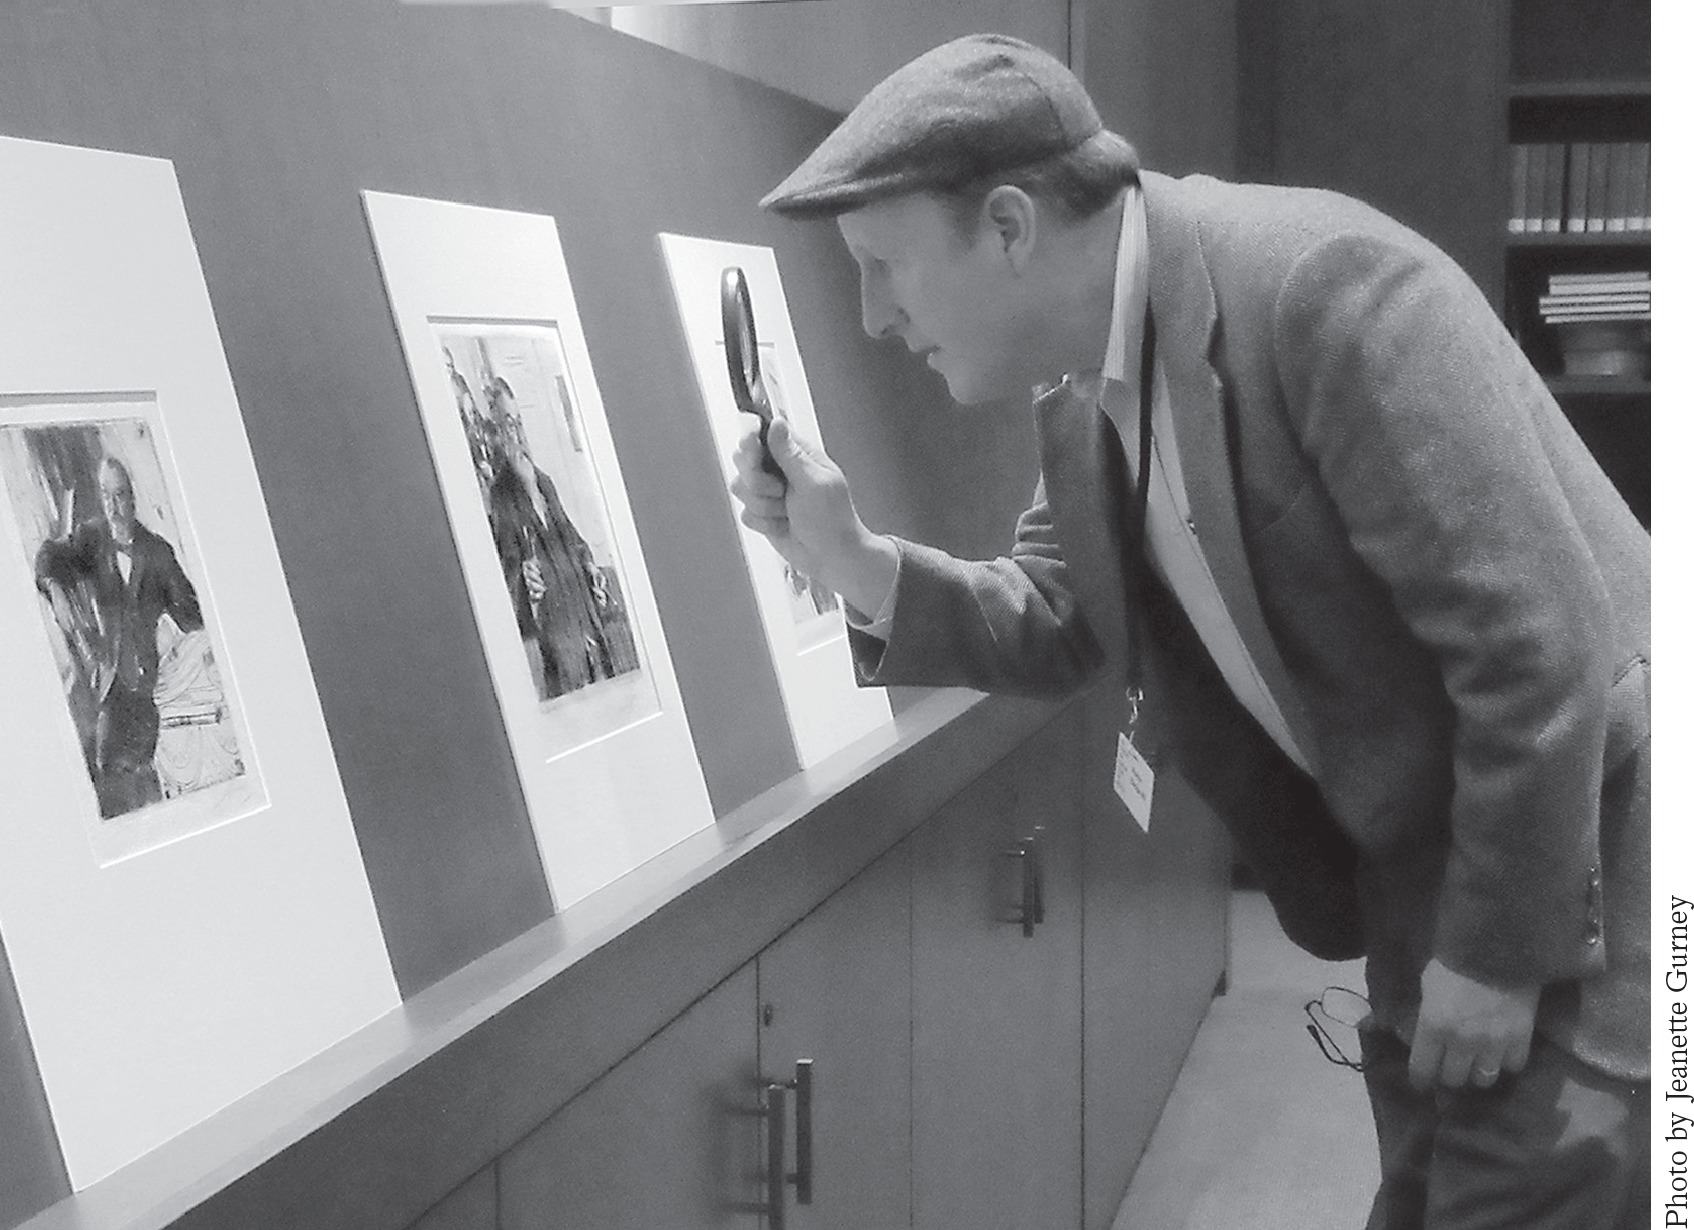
1029, 909
1040, 900
777, 1175
802, 1176
776, 1128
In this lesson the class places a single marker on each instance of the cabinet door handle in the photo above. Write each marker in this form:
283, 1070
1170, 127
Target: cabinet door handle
777, 1174
776, 1170
1039, 900
1029, 908
802, 1176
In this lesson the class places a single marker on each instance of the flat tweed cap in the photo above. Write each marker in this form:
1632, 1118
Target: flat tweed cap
967, 109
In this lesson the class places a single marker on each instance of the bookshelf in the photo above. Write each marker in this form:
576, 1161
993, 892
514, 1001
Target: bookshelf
1577, 222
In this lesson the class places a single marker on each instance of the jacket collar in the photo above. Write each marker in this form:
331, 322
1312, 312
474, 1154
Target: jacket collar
1074, 439
1076, 467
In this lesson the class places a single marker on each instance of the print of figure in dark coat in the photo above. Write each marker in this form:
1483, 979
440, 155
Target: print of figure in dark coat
130, 578
559, 593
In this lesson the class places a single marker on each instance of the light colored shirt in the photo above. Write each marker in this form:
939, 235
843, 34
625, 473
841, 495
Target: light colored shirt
1172, 544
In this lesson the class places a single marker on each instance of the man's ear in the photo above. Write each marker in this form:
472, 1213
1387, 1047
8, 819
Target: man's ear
1011, 215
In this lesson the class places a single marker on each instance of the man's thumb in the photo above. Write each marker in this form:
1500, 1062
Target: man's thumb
783, 444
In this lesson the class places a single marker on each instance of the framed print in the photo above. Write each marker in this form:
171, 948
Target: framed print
120, 590
805, 627
182, 898
536, 500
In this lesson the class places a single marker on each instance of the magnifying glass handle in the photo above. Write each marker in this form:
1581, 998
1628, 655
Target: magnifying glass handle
768, 461
741, 351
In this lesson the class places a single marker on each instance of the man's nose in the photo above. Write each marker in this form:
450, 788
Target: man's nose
877, 310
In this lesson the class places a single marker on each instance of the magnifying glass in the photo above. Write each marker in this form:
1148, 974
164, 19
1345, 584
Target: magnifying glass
741, 349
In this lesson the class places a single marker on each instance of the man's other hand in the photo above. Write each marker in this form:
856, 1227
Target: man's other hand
1468, 1032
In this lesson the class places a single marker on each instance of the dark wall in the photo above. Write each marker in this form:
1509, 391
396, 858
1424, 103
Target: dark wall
276, 114
1399, 104
1555, 40
1164, 75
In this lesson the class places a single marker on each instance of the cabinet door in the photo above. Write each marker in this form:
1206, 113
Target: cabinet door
836, 990
668, 1138
996, 1029
1155, 927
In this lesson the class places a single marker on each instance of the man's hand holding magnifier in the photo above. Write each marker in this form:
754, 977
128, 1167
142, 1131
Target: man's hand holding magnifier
808, 516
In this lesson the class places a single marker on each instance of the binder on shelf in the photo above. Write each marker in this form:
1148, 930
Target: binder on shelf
1635, 211
1647, 190
1599, 167
1519, 206
1553, 203
1576, 196
1617, 187
1536, 189
1621, 280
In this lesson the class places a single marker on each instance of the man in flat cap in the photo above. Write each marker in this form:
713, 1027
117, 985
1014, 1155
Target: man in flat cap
1380, 604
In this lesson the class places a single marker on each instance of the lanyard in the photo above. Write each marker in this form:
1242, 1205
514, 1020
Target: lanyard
1135, 568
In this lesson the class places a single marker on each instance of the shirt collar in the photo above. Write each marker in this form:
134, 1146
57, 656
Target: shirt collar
1129, 288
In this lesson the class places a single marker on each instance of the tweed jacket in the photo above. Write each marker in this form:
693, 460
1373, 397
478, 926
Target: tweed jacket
1446, 596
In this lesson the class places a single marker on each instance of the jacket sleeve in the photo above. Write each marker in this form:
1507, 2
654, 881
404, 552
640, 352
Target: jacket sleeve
65, 561
176, 591
1420, 415
1005, 625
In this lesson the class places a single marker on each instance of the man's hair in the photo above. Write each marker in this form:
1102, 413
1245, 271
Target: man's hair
1076, 184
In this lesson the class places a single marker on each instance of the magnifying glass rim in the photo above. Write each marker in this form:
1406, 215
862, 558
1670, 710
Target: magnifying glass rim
743, 351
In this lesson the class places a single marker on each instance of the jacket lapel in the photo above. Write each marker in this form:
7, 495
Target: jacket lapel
1075, 471
1185, 310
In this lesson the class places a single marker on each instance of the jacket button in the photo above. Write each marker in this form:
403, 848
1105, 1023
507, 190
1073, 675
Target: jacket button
1592, 935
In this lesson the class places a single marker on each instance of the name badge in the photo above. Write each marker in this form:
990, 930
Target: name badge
1132, 778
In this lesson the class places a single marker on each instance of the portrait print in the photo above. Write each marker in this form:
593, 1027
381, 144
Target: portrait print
803, 622
124, 611
546, 513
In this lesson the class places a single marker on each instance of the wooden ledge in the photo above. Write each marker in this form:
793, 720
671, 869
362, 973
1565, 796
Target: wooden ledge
372, 1132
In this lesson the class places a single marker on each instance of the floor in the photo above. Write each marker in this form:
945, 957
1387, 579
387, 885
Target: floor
1260, 1130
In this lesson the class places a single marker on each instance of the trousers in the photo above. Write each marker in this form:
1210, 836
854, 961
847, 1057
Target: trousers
1557, 1146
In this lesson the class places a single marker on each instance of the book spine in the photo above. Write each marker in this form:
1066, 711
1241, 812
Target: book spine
1636, 217
1520, 190
1576, 209
1599, 168
1647, 189
1536, 186
1617, 188
1553, 204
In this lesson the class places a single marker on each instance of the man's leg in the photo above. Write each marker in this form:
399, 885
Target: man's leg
1557, 1147
1405, 1132
126, 735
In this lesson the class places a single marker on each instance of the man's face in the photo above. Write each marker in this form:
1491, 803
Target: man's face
512, 438
117, 502
950, 297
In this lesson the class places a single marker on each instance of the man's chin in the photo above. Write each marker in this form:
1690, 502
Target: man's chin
979, 393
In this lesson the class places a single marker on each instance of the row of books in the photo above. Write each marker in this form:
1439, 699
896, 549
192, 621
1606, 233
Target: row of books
1580, 187
1601, 320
